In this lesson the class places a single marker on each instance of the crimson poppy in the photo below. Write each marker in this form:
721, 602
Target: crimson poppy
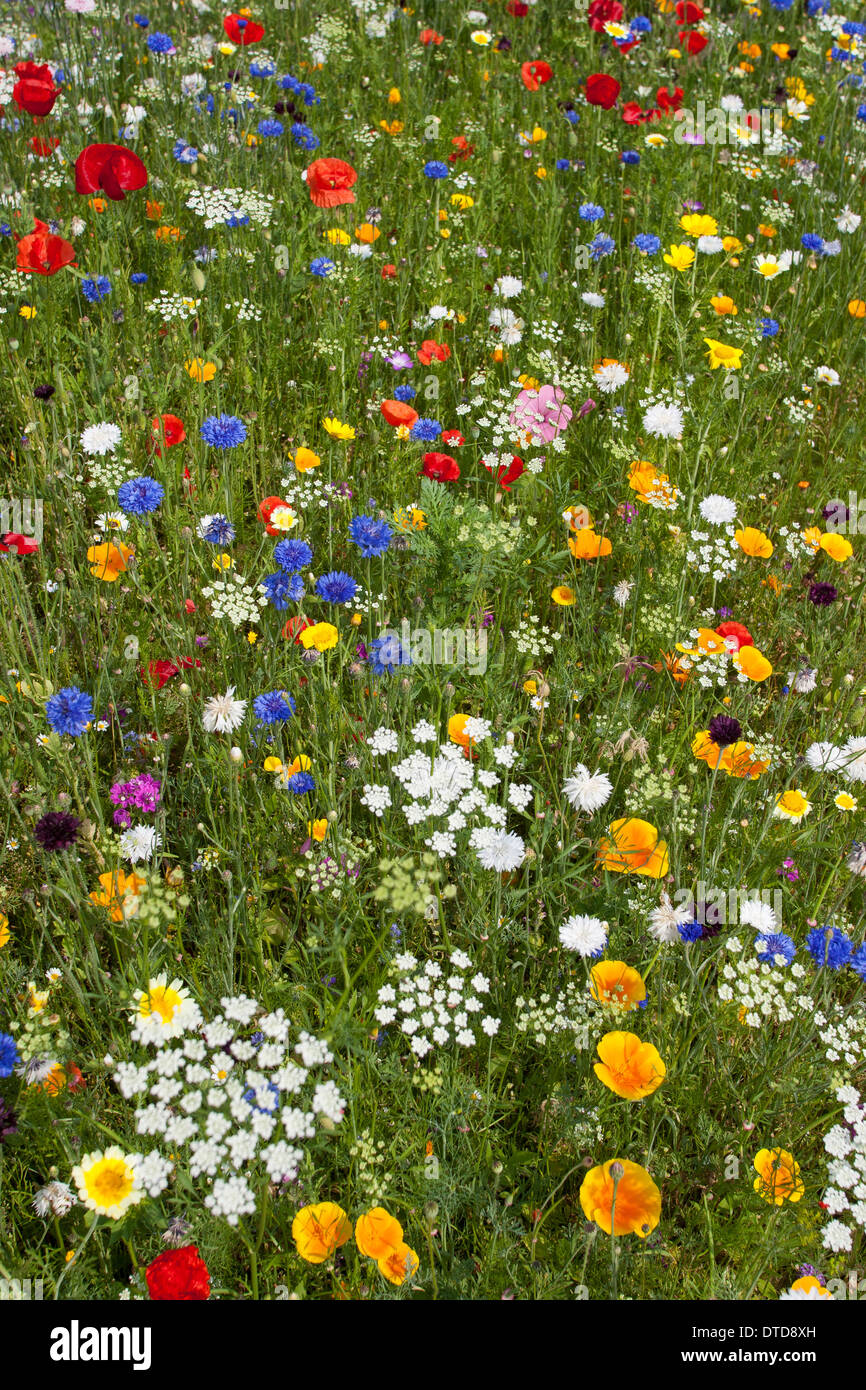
43, 253
179, 1275
156, 673
603, 12
330, 182
732, 629
42, 148
428, 36
112, 168
266, 508
633, 113
167, 430
695, 41
34, 92
535, 74
517, 9
687, 13
13, 540
453, 438
441, 467
389, 272
293, 628
602, 90
669, 101
506, 474
243, 31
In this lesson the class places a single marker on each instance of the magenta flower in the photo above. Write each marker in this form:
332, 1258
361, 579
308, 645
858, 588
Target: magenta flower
542, 413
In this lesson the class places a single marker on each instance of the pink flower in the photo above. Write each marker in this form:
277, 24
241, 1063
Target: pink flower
542, 413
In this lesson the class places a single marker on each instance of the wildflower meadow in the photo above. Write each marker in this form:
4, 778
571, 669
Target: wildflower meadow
432, 692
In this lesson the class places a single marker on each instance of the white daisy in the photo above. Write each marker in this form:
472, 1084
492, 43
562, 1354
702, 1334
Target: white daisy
663, 421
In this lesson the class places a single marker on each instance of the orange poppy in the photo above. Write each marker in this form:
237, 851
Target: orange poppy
621, 1198
118, 891
398, 413
586, 545
778, 1176
635, 848
398, 1264
109, 559
613, 982
377, 1233
629, 1067
320, 1230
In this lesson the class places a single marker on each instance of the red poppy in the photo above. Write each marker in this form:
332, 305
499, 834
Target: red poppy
398, 413
156, 673
389, 272
687, 13
453, 438
695, 41
330, 182
241, 30
74, 1078
506, 474
42, 148
178, 1276
535, 74
112, 168
517, 8
633, 113
670, 101
602, 12
602, 90
441, 467
43, 253
189, 607
25, 545
430, 349
742, 634
167, 430
428, 36
34, 92
270, 505
293, 628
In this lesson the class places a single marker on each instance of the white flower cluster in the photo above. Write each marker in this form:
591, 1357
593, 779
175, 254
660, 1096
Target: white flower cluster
760, 991
447, 793
173, 306
435, 1009
218, 205
714, 554
571, 1013
849, 760
846, 1171
236, 600
231, 1097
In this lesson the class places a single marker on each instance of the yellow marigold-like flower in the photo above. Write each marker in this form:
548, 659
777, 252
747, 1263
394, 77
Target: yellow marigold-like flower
778, 1176
723, 355
336, 429
621, 1198
732, 243
461, 201
319, 1230
394, 97
680, 257
322, 636
107, 1182
699, 224
857, 308
199, 369
630, 1068
792, 805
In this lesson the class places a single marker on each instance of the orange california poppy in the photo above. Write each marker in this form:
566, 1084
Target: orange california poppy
778, 1176
615, 983
118, 891
752, 663
621, 1198
319, 1230
377, 1233
753, 542
398, 1264
586, 545
629, 1067
109, 559
634, 848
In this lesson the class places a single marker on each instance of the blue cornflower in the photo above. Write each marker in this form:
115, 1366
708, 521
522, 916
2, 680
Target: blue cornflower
271, 1101
426, 430
840, 55
769, 328
858, 961
590, 212
829, 946
690, 931
141, 20
138, 277
630, 157
322, 267
861, 112
405, 392
275, 707
386, 654
282, 586
69, 711
372, 536
237, 219
572, 117
854, 28
563, 164
812, 242
814, 7
223, 431
94, 290
293, 555
435, 169
262, 69
5, 229
781, 4
641, 24
303, 136
775, 944
300, 783
184, 153
8, 1054
218, 530
140, 495
160, 43
270, 129
601, 245
646, 242
336, 587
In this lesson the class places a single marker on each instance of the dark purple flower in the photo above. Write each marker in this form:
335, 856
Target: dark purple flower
56, 830
822, 595
724, 730
8, 1121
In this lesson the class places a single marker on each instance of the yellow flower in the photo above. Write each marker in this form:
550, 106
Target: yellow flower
394, 97
160, 1002
322, 636
336, 429
305, 459
199, 369
317, 830
563, 595
778, 1176
808, 1284
681, 257
337, 237
463, 202
857, 308
272, 764
399, 1264
753, 542
699, 224
4, 930
844, 800
319, 1230
367, 233
107, 1182
621, 1198
27, 311
836, 547
252, 638
792, 806
723, 304
732, 243
723, 355
222, 562
628, 1067
392, 127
